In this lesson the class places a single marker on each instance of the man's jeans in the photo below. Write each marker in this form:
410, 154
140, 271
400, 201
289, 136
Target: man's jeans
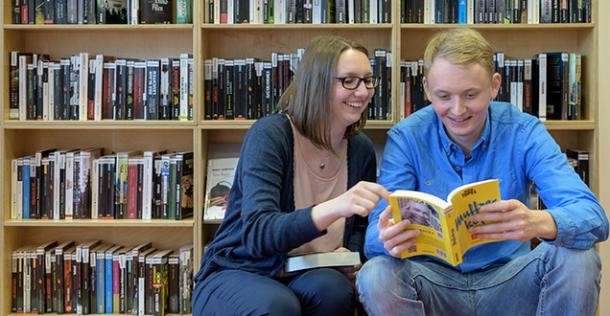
547, 281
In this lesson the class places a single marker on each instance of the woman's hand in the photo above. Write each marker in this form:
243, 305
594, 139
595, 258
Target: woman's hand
358, 200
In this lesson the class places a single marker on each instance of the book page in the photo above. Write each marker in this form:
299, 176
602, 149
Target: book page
425, 212
466, 202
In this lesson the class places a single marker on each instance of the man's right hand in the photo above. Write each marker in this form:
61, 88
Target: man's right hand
396, 238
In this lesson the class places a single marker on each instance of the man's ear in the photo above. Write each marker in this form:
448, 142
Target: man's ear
496, 81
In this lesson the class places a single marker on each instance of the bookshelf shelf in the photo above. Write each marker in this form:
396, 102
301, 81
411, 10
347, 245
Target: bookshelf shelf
504, 27
100, 27
583, 125
102, 125
100, 223
297, 27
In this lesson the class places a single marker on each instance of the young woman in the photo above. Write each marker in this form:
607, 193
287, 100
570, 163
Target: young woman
304, 183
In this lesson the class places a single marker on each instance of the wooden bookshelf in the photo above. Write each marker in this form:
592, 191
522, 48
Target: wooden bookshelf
206, 138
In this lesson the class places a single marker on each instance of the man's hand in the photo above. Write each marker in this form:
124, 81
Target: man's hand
511, 219
396, 238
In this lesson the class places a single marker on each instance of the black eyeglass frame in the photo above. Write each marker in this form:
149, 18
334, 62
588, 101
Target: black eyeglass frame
360, 80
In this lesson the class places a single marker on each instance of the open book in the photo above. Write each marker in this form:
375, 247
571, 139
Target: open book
444, 225
322, 259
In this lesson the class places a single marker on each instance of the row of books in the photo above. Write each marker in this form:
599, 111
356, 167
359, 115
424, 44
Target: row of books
495, 11
548, 86
83, 184
411, 11
577, 159
297, 11
95, 277
101, 12
250, 89
82, 88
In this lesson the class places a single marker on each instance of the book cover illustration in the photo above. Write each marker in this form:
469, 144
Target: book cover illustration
221, 172
444, 225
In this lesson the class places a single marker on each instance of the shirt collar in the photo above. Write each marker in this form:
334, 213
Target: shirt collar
449, 145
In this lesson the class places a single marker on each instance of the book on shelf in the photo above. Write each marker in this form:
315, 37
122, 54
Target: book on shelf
221, 172
322, 259
579, 160
444, 224
156, 11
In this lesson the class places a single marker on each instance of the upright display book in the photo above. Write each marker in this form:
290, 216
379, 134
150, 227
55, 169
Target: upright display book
221, 172
444, 225
322, 259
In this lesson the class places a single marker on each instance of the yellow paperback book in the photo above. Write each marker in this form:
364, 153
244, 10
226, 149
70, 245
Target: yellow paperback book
444, 225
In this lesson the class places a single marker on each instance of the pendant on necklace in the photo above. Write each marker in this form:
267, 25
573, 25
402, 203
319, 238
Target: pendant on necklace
322, 165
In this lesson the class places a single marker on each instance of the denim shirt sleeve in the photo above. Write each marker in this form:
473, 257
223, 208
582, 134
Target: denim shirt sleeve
580, 219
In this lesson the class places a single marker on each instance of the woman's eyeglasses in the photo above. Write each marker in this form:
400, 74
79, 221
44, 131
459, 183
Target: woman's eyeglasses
352, 83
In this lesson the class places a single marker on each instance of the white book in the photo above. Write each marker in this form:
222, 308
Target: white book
83, 86
94, 188
217, 12
323, 259
147, 186
99, 76
316, 12
230, 12
373, 12
23, 67
51, 94
14, 193
69, 184
542, 86
184, 86
221, 172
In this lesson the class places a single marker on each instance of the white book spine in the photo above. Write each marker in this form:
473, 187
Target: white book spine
69, 184
14, 170
542, 86
184, 86
147, 186
99, 76
23, 87
82, 86
94, 189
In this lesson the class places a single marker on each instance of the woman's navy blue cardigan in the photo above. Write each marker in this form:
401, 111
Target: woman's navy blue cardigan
261, 224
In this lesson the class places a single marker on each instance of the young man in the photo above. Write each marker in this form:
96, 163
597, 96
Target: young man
465, 137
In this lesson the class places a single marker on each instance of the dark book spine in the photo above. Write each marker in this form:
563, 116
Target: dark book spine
120, 90
153, 69
139, 89
228, 77
108, 88
239, 89
156, 11
129, 115
165, 111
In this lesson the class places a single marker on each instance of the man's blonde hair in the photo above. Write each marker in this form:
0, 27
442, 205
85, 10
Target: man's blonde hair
460, 46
